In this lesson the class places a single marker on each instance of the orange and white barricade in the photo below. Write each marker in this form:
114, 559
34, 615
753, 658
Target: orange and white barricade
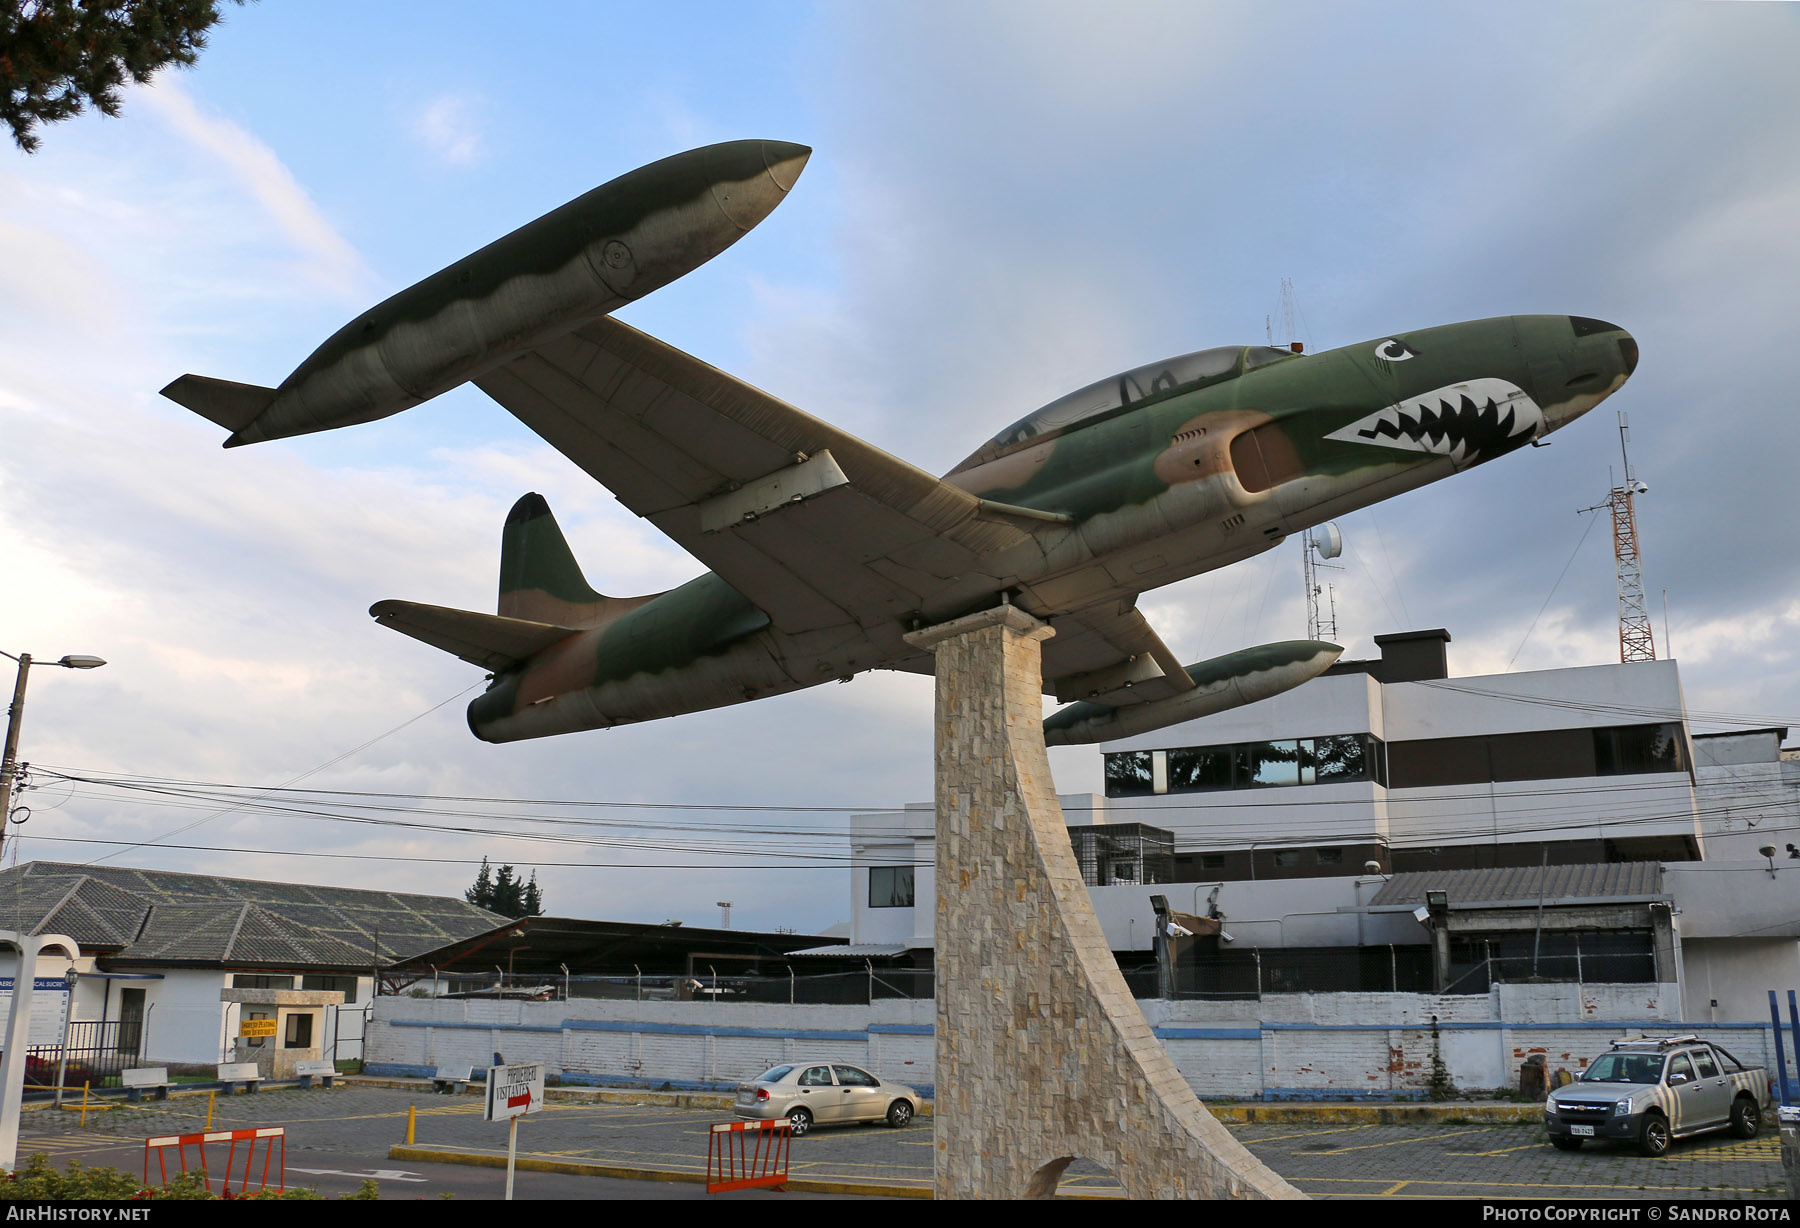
269, 1139
747, 1155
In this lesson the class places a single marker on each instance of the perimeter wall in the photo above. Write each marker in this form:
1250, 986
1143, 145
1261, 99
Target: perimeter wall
1285, 1046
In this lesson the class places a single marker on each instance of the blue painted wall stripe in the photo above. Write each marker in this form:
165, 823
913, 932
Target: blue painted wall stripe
706, 1029
901, 1029
470, 1027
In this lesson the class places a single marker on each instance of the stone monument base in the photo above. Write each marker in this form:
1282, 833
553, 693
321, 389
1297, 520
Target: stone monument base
1042, 1054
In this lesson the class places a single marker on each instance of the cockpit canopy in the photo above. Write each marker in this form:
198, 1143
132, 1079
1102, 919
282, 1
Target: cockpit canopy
1108, 396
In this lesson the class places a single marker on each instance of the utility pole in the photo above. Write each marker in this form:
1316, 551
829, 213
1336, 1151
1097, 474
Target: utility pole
9, 765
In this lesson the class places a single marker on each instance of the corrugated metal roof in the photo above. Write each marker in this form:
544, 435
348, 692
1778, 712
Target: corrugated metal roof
863, 950
1525, 884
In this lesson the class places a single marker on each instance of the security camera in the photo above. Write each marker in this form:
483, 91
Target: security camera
1767, 850
1371, 867
1640, 488
1225, 936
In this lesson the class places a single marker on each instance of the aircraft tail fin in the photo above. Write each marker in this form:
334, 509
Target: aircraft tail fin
231, 405
539, 577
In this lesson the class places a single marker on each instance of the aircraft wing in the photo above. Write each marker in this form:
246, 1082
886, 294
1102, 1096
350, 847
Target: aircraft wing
827, 534
1110, 655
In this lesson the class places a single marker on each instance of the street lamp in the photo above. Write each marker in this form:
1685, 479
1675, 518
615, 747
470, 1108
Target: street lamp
8, 762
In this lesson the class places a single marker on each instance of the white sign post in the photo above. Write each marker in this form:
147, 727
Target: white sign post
512, 1092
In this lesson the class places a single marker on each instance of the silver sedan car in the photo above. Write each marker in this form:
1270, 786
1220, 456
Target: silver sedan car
824, 1093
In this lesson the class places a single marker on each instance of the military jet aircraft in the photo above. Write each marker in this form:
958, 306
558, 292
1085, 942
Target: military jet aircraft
825, 551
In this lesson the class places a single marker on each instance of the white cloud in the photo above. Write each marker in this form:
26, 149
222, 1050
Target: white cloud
448, 128
260, 172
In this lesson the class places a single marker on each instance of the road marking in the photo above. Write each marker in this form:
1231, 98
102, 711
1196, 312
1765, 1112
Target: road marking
1270, 1138
1336, 1151
376, 1174
1393, 1189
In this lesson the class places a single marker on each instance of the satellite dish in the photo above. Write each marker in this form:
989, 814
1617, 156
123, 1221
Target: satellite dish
1328, 541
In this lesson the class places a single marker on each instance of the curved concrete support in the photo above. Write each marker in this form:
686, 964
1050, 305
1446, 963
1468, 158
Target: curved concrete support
18, 1031
1042, 1054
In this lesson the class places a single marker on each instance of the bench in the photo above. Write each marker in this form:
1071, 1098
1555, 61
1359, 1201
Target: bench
153, 1079
325, 1072
233, 1073
447, 1079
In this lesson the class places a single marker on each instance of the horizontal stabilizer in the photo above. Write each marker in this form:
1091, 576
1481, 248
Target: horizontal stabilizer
487, 640
231, 405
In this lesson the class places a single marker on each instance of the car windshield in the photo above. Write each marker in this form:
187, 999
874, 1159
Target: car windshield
773, 1076
1624, 1068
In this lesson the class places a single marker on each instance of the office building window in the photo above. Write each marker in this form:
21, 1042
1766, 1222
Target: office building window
1333, 759
345, 985
1129, 774
890, 887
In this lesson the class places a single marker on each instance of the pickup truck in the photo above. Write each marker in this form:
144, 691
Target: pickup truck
1651, 1091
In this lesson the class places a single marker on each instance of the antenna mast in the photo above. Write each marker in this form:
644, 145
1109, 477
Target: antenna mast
1327, 543
1635, 640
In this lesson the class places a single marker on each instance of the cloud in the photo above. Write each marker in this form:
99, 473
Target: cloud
331, 260
447, 128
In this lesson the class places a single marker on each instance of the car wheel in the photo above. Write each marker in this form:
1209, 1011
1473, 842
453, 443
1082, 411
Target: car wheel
1563, 1142
1654, 1139
799, 1122
899, 1113
1746, 1117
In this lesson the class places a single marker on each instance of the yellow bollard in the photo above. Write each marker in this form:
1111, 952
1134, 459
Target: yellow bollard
210, 1097
84, 1103
412, 1117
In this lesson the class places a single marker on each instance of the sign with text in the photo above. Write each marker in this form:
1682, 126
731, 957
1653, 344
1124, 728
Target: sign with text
252, 1028
49, 1004
513, 1091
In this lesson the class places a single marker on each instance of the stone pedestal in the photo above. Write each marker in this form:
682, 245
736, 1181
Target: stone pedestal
1042, 1054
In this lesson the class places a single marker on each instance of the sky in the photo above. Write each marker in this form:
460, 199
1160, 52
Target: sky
1006, 201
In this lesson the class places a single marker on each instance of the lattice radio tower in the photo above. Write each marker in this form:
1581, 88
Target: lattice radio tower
1327, 543
1635, 641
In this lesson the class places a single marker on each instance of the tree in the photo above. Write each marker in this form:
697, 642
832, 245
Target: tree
504, 892
482, 893
59, 56
509, 893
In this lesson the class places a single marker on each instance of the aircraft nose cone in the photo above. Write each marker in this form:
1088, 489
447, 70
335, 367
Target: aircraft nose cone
747, 188
785, 161
1585, 326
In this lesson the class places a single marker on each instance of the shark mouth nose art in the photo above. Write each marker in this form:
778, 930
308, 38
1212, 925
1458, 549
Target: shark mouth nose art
1469, 422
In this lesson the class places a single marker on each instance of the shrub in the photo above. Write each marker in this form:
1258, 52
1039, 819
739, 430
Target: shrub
39, 1181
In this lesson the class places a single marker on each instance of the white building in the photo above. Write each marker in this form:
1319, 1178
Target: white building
158, 947
1574, 825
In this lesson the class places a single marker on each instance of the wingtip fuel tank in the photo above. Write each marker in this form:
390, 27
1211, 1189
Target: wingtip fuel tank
589, 257
1222, 683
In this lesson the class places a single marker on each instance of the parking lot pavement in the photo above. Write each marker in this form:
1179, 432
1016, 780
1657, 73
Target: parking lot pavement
1441, 1160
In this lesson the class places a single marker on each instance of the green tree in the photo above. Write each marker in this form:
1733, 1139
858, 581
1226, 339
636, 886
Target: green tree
509, 893
504, 892
482, 893
59, 56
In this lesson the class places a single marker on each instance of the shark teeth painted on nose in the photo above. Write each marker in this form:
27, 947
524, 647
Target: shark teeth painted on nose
1467, 422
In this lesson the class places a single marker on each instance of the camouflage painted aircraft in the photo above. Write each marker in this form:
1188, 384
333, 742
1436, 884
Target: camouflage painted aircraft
825, 551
